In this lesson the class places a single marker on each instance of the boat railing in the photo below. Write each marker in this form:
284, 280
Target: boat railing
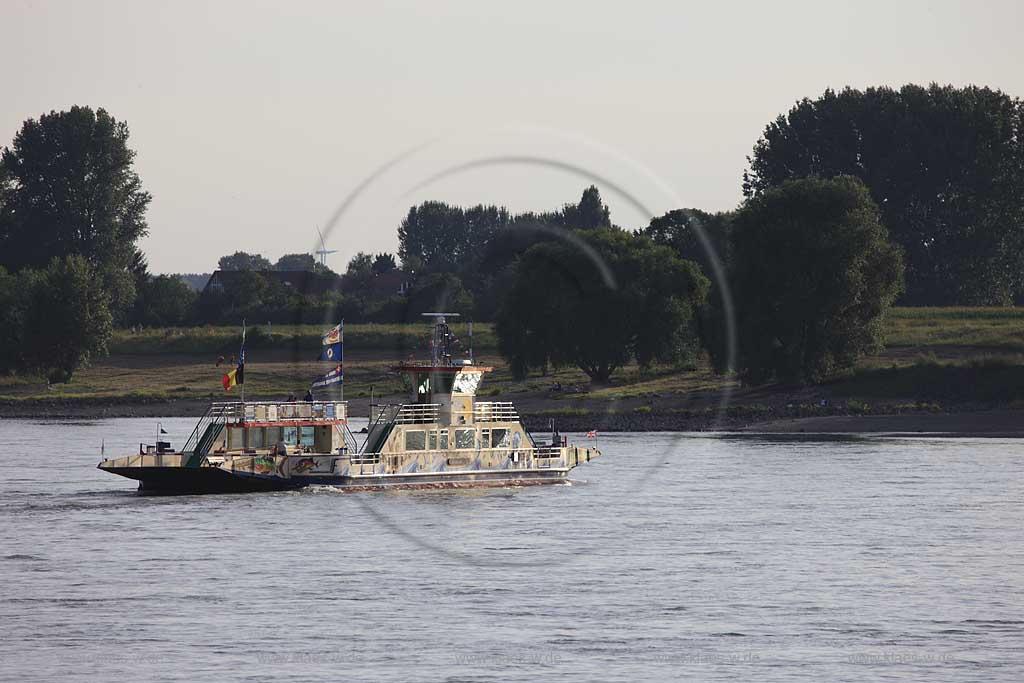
495, 411
351, 443
383, 412
276, 411
206, 432
418, 413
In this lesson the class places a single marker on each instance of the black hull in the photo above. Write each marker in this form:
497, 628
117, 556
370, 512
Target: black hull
169, 481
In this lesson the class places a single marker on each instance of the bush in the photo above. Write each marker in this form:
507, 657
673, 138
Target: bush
164, 301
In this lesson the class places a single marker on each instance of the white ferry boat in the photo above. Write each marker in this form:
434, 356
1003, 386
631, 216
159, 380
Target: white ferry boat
443, 437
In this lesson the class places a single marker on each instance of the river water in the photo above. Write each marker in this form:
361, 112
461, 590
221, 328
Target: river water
673, 557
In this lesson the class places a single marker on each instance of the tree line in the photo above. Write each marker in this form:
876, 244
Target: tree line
853, 201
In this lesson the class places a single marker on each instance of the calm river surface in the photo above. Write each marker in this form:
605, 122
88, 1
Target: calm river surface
673, 557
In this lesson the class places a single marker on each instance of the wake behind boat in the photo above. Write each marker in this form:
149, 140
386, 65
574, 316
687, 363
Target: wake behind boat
444, 437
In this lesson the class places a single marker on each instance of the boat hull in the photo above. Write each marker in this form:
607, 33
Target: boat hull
202, 480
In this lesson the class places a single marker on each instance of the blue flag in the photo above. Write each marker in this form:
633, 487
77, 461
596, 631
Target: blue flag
333, 377
331, 353
332, 342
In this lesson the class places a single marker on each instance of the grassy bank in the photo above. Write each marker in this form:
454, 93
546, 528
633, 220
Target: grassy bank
223, 339
936, 358
992, 328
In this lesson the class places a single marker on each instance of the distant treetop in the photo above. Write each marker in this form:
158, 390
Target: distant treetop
241, 260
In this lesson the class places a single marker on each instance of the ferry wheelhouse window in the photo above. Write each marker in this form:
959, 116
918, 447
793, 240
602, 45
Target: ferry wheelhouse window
467, 382
443, 440
433, 440
499, 438
415, 440
442, 382
465, 438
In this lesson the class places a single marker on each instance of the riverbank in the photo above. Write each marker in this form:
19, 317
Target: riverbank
954, 370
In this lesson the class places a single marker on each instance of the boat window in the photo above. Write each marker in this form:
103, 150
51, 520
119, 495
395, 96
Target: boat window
256, 437
443, 440
442, 382
433, 440
485, 439
236, 438
499, 438
415, 440
291, 436
467, 382
465, 438
273, 436
308, 436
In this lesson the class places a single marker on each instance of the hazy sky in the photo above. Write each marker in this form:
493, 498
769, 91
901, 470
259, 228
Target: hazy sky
254, 121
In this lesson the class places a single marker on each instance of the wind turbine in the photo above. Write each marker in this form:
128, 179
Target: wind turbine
323, 251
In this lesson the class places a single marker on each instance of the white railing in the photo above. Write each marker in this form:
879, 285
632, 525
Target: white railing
282, 411
418, 413
497, 411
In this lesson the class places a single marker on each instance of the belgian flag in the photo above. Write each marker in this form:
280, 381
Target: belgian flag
236, 376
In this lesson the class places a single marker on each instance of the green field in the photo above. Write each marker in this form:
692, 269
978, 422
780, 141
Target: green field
998, 329
225, 340
947, 353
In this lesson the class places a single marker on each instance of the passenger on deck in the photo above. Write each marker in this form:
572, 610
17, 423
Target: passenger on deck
309, 396
280, 448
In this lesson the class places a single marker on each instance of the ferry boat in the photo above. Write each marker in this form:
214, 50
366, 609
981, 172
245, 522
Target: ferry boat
442, 438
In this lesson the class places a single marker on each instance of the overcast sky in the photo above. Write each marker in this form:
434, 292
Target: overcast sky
254, 121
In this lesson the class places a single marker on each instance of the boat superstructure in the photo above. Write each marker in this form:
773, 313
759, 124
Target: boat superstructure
442, 437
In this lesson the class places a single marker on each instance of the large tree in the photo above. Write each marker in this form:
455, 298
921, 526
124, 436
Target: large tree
590, 213
598, 299
440, 237
683, 229
813, 274
68, 186
945, 165
66, 319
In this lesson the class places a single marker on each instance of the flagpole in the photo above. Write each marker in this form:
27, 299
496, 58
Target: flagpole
242, 353
343, 361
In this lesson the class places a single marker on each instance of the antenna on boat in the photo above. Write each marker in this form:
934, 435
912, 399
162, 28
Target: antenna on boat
440, 346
